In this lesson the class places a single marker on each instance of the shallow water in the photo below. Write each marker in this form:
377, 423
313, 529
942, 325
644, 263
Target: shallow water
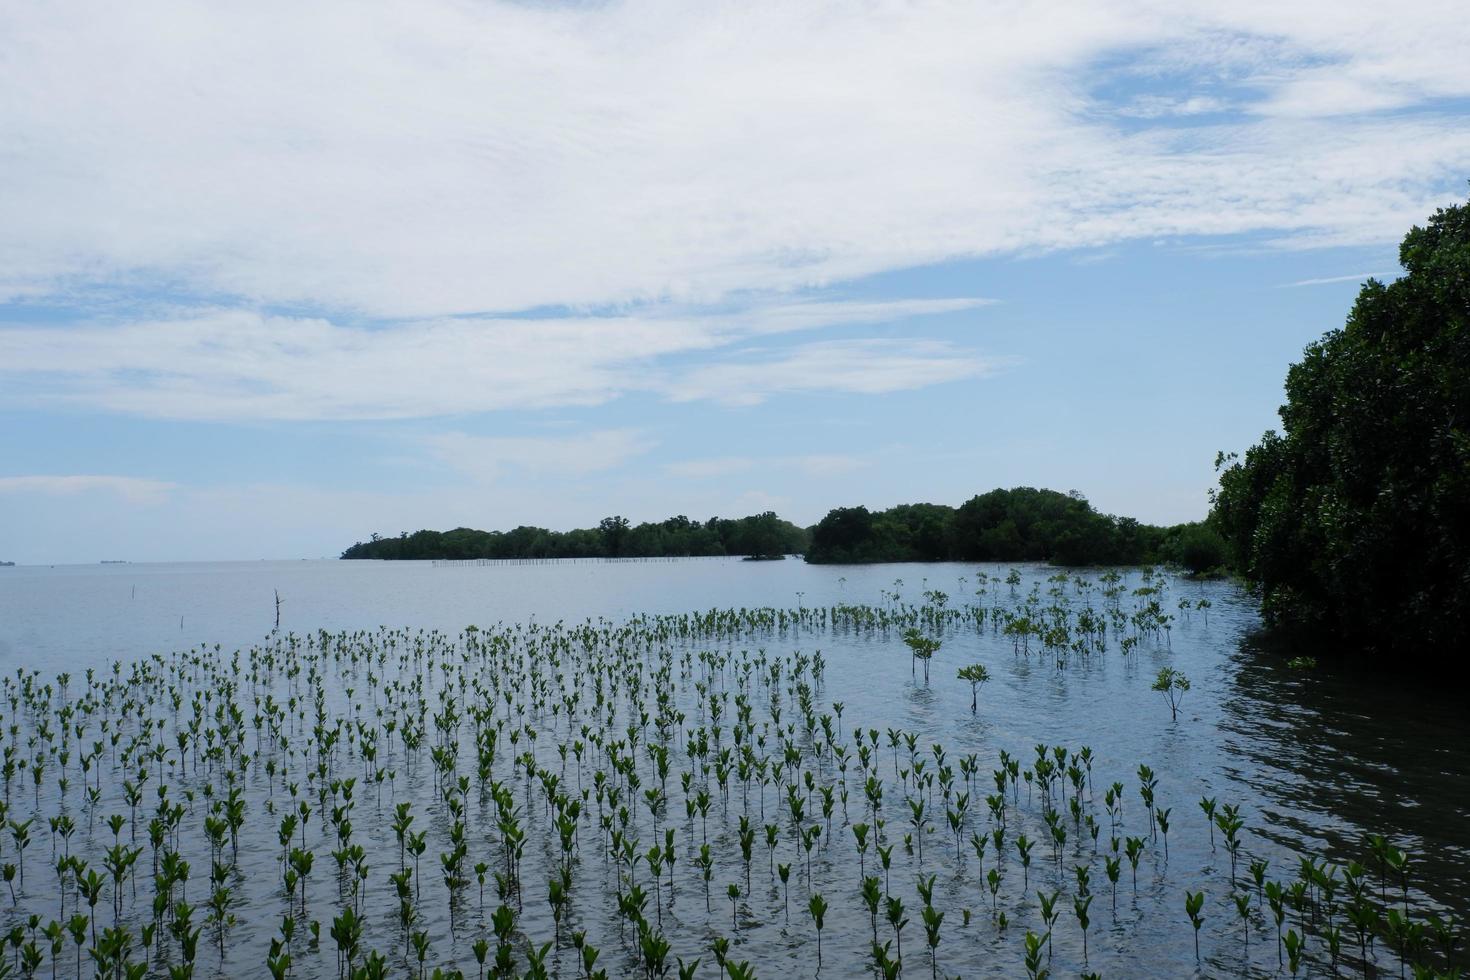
1315, 763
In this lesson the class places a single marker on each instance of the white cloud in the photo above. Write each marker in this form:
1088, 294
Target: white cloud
488, 457
1163, 106
830, 464
869, 367
1355, 277
132, 489
817, 465
815, 314
705, 469
233, 364
424, 157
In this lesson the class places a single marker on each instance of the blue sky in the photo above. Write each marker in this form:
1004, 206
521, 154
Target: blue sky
270, 283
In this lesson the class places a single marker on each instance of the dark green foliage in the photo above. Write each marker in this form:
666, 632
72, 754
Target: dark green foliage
1354, 522
1199, 548
1022, 524
762, 535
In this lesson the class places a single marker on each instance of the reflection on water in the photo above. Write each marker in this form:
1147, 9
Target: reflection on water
1342, 756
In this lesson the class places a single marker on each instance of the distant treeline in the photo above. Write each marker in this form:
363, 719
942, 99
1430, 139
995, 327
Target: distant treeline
1022, 524
759, 535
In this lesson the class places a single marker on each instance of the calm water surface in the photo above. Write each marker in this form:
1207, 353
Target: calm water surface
1316, 762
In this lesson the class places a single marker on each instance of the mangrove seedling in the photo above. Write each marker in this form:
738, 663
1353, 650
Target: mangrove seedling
933, 920
872, 896
1080, 905
1172, 683
1243, 910
1295, 945
1134, 848
1194, 903
1207, 804
921, 647
1276, 898
975, 674
1048, 914
1034, 969
817, 907
894, 911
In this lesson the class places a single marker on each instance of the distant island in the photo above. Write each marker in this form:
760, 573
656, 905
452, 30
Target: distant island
1020, 524
759, 535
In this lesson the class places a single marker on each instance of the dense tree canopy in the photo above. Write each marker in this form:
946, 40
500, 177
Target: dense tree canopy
760, 535
1354, 520
1022, 524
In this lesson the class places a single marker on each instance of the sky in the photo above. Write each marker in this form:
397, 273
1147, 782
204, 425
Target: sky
275, 277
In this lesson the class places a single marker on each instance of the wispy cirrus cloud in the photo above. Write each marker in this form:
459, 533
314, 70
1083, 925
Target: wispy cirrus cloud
488, 458
813, 465
1328, 280
133, 489
711, 468
868, 366
234, 365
